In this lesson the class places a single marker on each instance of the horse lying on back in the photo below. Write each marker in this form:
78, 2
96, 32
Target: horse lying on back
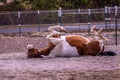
74, 45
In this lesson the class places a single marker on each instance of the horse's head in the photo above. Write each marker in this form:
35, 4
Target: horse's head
32, 52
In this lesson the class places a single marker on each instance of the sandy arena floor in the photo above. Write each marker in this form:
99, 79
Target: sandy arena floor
15, 66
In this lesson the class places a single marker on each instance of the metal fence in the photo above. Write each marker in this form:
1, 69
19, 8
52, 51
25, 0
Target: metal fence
74, 20
106, 17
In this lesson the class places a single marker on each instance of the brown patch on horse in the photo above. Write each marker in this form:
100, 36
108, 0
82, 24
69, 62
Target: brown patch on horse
79, 42
93, 48
83, 47
46, 50
33, 53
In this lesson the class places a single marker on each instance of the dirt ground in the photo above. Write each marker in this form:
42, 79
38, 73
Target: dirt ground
15, 66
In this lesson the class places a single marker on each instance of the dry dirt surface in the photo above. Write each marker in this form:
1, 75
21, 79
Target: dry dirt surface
15, 66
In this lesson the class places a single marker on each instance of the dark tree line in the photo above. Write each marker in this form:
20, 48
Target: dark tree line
55, 4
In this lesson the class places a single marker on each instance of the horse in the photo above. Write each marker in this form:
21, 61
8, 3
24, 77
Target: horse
75, 45
71, 45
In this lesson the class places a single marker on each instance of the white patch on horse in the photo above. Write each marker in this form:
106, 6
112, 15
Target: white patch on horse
68, 50
63, 49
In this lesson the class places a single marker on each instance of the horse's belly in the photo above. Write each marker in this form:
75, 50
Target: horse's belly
64, 49
68, 50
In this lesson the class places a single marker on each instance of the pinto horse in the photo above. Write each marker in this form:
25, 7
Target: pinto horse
74, 45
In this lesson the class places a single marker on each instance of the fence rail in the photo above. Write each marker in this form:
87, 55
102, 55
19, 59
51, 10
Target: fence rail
74, 20
45, 17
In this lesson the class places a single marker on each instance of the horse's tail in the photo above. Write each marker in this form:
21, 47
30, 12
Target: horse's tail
108, 53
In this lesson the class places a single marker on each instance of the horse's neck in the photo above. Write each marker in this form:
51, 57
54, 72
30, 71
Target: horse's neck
57, 50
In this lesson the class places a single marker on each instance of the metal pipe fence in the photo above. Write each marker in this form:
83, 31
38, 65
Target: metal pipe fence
78, 20
86, 16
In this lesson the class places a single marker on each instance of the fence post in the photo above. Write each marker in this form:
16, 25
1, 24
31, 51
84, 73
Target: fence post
59, 15
116, 27
79, 19
109, 16
19, 23
38, 20
106, 16
89, 13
